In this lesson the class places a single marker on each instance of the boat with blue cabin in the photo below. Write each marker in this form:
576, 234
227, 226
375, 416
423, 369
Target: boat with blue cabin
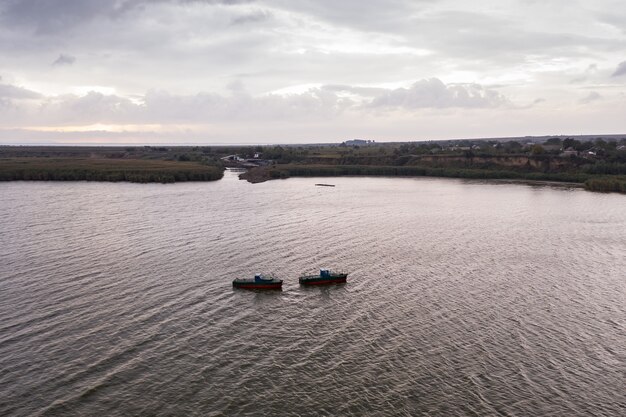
259, 282
326, 276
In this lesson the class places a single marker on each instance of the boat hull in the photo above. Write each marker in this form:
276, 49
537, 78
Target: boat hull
256, 285
319, 280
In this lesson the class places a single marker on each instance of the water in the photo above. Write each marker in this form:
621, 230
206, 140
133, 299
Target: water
464, 298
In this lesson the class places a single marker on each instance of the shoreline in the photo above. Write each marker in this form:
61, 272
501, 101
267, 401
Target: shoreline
258, 180
562, 184
262, 174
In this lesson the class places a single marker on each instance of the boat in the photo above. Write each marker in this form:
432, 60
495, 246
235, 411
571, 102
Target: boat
326, 276
325, 185
259, 282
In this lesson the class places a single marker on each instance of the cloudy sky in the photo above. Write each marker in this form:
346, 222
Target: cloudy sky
297, 71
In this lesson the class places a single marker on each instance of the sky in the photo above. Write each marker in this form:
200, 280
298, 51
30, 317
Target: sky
308, 71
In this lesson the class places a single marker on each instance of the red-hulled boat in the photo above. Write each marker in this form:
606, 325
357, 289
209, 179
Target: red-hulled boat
259, 282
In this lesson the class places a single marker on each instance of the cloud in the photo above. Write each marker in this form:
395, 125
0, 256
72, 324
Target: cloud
53, 16
186, 54
589, 72
321, 103
64, 59
161, 107
620, 70
360, 91
315, 104
8, 91
433, 93
372, 15
253, 17
592, 96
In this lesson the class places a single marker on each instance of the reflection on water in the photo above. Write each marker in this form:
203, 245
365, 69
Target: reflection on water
463, 298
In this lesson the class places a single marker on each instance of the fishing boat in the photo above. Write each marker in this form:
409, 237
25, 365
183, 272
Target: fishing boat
259, 282
326, 276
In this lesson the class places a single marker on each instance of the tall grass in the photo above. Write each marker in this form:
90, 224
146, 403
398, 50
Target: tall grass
284, 171
131, 170
606, 184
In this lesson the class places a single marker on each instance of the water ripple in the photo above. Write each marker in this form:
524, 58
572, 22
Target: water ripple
464, 298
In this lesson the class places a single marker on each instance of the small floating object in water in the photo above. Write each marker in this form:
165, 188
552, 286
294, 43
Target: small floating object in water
259, 282
326, 276
325, 185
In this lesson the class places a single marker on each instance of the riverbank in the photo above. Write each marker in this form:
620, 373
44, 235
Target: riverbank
567, 179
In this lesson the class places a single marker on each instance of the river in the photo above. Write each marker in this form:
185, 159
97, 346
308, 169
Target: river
463, 298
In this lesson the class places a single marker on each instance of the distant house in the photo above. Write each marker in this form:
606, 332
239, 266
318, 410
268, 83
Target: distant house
236, 158
569, 152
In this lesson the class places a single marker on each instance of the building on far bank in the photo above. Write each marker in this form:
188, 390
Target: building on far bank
569, 152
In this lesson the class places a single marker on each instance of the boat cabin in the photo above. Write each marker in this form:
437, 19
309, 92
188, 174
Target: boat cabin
261, 277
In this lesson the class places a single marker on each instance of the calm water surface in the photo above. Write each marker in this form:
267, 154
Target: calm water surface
464, 298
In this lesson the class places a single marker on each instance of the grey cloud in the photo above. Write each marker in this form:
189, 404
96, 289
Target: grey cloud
52, 16
371, 15
616, 17
64, 59
8, 91
592, 96
620, 70
204, 107
433, 93
361, 91
90, 108
590, 71
160, 107
254, 17
467, 35
316, 104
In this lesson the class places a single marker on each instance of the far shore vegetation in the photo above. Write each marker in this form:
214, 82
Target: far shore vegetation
597, 163
131, 164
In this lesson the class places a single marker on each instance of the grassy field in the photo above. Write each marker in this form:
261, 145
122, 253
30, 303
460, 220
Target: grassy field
105, 169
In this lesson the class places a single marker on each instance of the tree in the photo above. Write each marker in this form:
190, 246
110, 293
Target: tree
583, 146
570, 143
513, 146
537, 149
554, 141
601, 144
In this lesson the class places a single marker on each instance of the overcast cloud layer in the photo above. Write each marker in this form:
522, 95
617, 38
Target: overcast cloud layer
246, 71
